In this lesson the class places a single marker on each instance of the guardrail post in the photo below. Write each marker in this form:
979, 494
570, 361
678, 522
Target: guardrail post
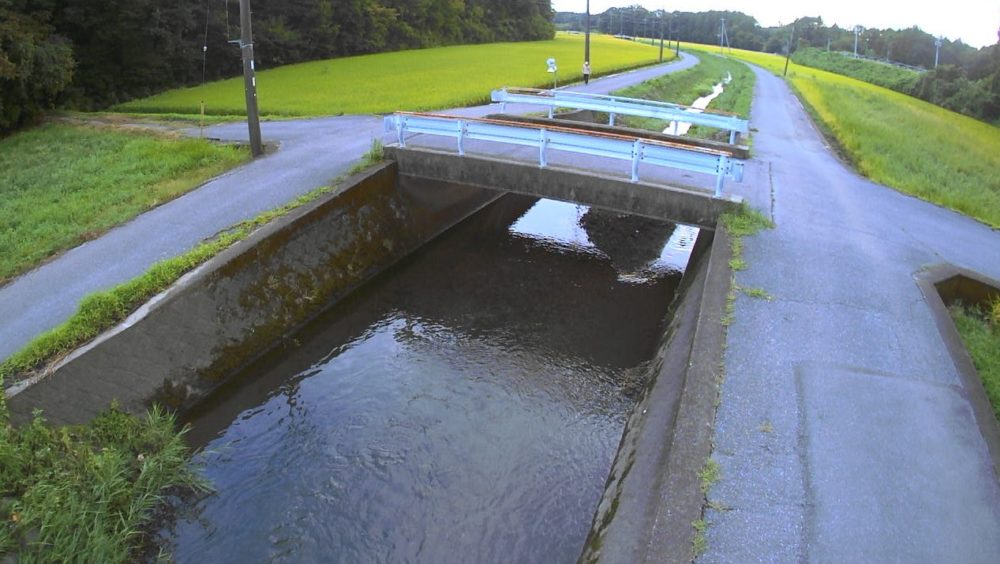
611, 118
461, 137
636, 155
732, 137
551, 110
721, 178
400, 125
543, 141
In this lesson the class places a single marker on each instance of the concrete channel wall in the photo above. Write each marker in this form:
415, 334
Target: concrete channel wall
653, 491
188, 340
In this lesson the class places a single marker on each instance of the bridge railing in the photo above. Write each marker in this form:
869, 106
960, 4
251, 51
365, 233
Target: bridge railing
615, 105
545, 139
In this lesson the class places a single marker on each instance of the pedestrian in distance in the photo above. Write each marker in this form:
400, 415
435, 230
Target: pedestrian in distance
586, 72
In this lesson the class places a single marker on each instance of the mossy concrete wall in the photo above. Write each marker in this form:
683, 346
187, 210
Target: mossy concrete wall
232, 309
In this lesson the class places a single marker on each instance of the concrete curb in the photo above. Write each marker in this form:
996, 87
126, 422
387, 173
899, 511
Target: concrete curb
942, 285
653, 493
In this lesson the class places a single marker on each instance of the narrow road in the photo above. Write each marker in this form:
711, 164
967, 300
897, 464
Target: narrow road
843, 433
312, 153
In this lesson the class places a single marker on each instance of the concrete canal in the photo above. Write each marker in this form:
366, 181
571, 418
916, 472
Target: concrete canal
466, 405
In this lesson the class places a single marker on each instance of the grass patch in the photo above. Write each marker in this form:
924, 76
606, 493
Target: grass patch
900, 141
699, 544
102, 310
423, 79
980, 331
86, 493
757, 293
744, 222
686, 86
374, 155
709, 475
64, 184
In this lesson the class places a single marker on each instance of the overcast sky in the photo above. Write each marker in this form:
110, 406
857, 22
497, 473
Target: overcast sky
974, 21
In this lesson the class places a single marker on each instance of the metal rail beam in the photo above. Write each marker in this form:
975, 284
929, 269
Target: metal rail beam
661, 153
615, 105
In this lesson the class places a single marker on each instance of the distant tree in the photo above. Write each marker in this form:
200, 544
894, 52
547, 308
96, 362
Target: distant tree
36, 64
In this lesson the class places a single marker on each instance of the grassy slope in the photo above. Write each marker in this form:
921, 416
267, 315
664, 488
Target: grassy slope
685, 86
900, 141
412, 80
61, 185
880, 74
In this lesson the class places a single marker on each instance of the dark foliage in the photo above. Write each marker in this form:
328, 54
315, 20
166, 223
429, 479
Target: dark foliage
94, 53
36, 64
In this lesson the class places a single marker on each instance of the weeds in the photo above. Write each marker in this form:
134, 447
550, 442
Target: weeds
699, 544
980, 331
85, 494
374, 155
709, 475
758, 293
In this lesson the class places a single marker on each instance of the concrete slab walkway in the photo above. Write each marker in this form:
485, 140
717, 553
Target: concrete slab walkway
312, 153
843, 433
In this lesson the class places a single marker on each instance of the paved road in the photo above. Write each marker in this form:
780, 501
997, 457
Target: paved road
312, 153
844, 434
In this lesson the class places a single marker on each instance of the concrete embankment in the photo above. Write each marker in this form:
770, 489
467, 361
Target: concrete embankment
189, 339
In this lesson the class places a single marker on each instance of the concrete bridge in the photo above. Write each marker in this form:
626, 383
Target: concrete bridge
572, 161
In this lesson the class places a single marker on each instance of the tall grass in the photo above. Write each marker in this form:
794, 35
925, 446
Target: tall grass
85, 494
424, 79
61, 185
686, 86
900, 141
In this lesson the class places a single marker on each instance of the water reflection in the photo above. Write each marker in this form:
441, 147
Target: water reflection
463, 407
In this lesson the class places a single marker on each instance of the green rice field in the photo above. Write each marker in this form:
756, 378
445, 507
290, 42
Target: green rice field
418, 80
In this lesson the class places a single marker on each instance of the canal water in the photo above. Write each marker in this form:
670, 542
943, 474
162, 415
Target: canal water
465, 406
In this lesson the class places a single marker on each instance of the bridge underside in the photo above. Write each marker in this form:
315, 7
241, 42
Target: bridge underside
568, 185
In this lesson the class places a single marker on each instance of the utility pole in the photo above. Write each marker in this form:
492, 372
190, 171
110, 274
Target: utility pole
788, 50
723, 36
249, 80
662, 17
857, 31
937, 49
586, 40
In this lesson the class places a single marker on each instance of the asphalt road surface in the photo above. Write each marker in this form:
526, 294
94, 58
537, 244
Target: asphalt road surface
844, 434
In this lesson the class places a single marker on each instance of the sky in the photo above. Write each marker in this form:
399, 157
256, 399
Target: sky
973, 21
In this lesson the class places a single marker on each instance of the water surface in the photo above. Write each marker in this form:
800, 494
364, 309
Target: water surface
463, 407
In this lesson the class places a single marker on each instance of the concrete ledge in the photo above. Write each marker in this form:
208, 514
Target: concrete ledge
653, 492
943, 285
188, 340
648, 200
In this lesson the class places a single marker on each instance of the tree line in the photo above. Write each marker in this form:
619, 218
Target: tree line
90, 54
966, 79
